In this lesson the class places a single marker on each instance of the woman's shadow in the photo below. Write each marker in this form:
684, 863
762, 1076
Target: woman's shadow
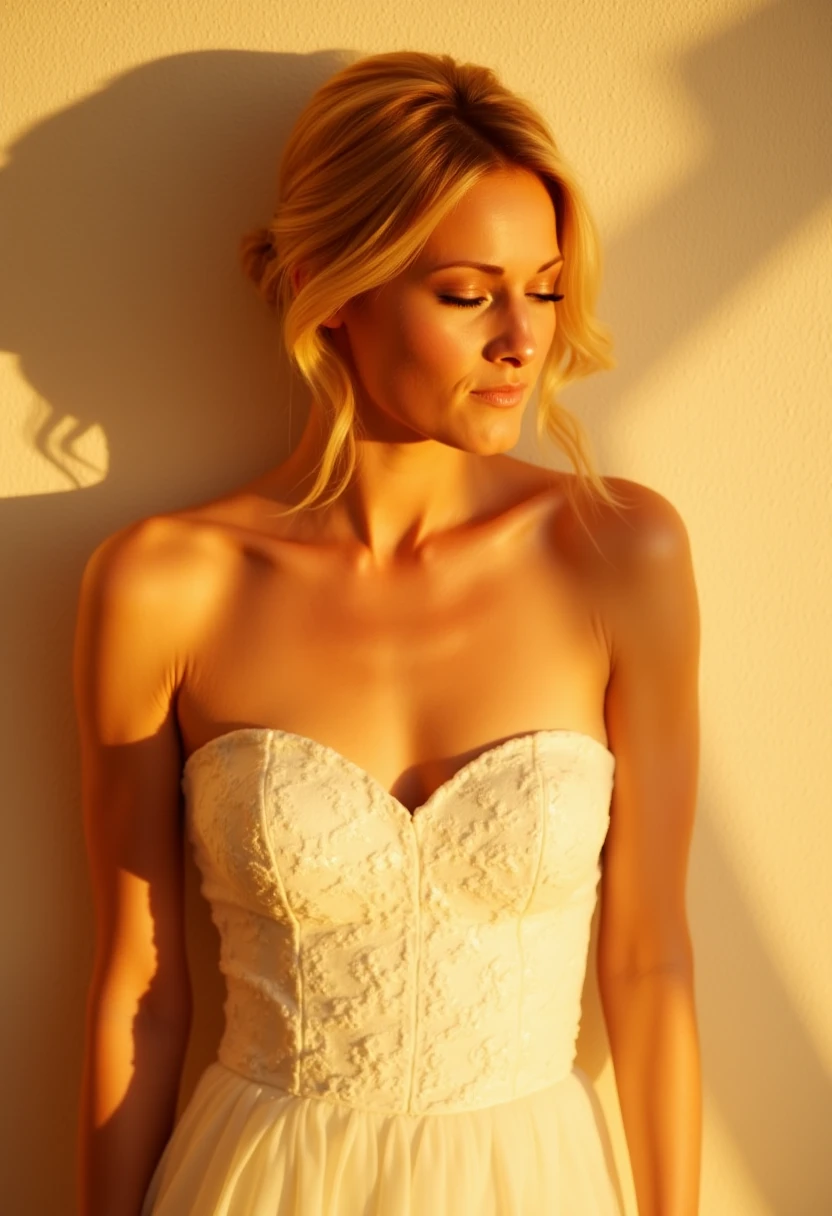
157, 379
125, 304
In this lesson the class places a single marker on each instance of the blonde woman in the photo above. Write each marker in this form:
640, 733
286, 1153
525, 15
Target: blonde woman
406, 687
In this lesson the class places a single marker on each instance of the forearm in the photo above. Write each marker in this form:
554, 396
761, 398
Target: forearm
651, 1024
128, 1104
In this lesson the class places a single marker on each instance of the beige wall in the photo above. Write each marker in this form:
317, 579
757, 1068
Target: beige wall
136, 376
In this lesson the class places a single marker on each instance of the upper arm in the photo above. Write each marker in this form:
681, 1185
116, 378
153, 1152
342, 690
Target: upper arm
652, 721
126, 668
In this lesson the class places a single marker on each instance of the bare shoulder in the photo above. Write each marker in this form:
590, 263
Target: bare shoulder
145, 594
644, 531
161, 561
646, 576
641, 528
153, 567
638, 536
633, 560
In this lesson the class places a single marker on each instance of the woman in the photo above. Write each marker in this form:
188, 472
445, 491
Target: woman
410, 679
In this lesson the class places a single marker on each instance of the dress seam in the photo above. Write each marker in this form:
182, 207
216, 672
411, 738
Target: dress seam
417, 934
521, 919
385, 1112
267, 768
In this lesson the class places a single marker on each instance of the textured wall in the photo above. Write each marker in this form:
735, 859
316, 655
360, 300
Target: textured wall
136, 375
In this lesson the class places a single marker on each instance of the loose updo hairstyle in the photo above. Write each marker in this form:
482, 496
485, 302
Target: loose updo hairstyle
381, 153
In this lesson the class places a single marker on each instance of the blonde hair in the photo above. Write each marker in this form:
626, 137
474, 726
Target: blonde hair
381, 153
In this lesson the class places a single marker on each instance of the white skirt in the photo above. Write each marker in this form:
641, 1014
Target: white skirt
242, 1148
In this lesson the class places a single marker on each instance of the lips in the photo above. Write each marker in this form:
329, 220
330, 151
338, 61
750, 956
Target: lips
503, 395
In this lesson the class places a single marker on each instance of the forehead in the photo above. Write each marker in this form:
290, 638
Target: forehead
509, 213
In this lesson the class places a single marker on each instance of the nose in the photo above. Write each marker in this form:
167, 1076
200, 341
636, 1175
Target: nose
515, 342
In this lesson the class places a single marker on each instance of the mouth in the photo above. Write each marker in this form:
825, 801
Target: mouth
501, 396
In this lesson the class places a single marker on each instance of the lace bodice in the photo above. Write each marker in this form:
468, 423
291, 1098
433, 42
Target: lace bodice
413, 963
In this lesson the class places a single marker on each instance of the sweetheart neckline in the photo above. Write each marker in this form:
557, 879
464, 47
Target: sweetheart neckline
274, 732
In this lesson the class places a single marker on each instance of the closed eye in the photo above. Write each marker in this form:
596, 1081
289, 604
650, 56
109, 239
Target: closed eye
463, 302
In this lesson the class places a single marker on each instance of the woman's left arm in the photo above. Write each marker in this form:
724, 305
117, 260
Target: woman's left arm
645, 959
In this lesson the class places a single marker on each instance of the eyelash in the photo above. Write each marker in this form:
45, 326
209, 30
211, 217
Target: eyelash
461, 303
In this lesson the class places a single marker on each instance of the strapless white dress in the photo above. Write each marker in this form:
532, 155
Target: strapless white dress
403, 990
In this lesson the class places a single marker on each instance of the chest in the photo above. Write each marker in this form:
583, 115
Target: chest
431, 663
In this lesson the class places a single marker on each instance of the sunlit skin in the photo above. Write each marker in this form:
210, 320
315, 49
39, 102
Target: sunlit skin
416, 356
448, 600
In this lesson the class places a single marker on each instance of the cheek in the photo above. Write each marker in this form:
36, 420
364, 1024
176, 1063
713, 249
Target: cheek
402, 350
431, 347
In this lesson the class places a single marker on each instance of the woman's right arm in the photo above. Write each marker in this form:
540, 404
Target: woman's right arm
127, 668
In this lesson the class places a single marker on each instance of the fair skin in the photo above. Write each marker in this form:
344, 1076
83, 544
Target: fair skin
448, 600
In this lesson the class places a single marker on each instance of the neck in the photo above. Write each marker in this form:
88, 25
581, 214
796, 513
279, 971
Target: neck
400, 496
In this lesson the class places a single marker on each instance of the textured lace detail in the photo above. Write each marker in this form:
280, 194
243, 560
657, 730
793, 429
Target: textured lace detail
399, 963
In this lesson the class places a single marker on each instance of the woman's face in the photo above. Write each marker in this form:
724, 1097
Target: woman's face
418, 356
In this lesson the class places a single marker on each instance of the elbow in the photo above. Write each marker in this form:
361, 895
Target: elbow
158, 1008
166, 1007
636, 987
670, 964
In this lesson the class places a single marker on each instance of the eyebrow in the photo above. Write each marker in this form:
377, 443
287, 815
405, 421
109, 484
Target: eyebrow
487, 268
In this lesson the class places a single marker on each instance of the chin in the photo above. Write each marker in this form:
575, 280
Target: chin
501, 437
490, 445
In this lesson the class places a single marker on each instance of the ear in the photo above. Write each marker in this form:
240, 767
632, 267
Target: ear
300, 276
333, 322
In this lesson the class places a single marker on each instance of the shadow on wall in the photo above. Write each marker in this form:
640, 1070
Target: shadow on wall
123, 299
121, 217
762, 90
